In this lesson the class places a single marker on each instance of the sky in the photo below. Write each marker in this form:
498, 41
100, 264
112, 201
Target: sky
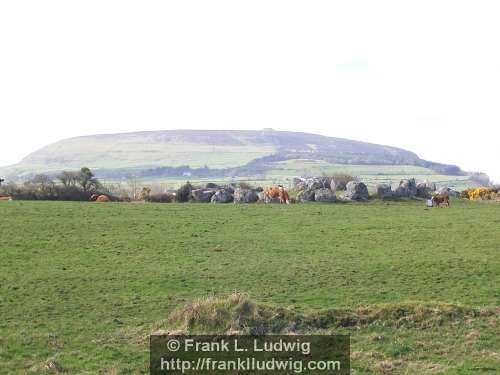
424, 76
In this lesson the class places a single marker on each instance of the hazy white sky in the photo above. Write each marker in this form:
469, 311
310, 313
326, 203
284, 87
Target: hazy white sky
419, 75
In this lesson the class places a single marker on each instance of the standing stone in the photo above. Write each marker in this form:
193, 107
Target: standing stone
202, 195
324, 195
356, 191
222, 196
384, 191
406, 189
306, 196
245, 196
425, 190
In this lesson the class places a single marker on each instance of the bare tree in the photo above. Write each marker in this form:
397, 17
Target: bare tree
68, 179
133, 183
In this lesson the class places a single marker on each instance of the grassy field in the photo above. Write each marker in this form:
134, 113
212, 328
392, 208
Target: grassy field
371, 175
84, 283
284, 172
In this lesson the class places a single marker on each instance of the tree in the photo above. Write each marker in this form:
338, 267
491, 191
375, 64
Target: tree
87, 180
133, 183
68, 179
183, 194
42, 183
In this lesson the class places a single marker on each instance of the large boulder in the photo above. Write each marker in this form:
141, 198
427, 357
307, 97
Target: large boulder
211, 185
356, 191
384, 191
245, 196
306, 196
230, 187
406, 189
203, 195
318, 183
324, 195
425, 190
222, 196
312, 183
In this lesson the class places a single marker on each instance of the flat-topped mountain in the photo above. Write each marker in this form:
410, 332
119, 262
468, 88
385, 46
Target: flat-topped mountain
221, 152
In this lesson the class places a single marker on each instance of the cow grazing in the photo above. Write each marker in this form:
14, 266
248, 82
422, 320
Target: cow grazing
99, 198
438, 200
279, 192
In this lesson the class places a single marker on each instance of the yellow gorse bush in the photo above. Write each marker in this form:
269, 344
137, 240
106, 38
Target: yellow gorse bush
482, 192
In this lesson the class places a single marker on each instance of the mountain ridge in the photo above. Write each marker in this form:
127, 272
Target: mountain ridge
218, 150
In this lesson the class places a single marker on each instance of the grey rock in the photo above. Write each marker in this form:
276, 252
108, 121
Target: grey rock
384, 191
230, 187
203, 195
406, 189
306, 196
222, 196
211, 185
318, 183
245, 196
324, 195
425, 190
356, 191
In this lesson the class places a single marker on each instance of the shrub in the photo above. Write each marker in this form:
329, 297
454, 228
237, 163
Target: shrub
183, 194
160, 198
72, 187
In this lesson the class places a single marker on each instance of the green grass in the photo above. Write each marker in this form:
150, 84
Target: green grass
284, 172
369, 174
85, 283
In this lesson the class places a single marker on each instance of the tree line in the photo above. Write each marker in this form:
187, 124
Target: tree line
68, 185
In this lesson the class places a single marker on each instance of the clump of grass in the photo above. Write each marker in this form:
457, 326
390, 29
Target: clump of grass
237, 313
409, 315
417, 315
50, 366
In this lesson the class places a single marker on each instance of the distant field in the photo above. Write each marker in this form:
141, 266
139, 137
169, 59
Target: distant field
370, 174
85, 283
284, 172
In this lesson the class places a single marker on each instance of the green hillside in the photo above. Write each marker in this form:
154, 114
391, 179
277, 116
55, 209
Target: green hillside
264, 155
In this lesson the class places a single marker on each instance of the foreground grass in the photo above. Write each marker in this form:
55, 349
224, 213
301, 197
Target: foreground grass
85, 283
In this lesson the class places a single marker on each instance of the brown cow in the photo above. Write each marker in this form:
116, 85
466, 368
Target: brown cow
437, 200
99, 198
271, 192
